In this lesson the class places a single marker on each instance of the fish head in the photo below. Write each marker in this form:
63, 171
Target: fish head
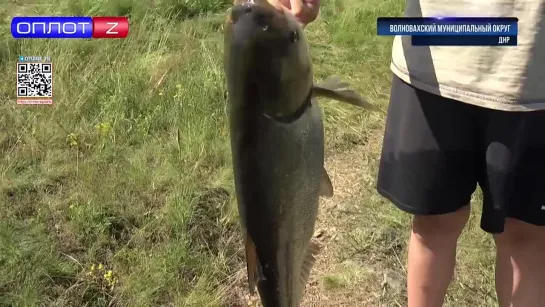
267, 57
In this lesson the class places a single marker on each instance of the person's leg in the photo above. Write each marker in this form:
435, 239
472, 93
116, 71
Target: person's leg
520, 269
428, 168
432, 256
514, 208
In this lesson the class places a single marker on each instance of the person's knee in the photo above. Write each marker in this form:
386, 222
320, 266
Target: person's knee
521, 237
443, 226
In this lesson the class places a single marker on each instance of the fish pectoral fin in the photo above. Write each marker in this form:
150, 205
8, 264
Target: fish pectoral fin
334, 88
326, 187
252, 263
333, 82
308, 261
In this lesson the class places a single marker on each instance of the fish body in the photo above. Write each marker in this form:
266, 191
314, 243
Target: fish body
277, 177
277, 144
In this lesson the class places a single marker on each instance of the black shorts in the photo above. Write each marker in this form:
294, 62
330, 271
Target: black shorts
436, 150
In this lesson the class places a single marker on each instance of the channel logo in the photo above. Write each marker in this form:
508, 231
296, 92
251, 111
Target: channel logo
69, 27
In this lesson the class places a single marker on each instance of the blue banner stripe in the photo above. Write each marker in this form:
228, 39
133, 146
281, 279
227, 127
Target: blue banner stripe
448, 19
466, 26
52, 27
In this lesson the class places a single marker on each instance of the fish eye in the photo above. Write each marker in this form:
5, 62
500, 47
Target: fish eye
294, 36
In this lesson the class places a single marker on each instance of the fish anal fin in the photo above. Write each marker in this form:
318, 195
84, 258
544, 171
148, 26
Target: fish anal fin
326, 187
252, 263
308, 261
334, 88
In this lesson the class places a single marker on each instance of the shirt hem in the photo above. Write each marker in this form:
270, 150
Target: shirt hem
471, 98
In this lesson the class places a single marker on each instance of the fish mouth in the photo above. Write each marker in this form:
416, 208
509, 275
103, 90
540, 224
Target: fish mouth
258, 16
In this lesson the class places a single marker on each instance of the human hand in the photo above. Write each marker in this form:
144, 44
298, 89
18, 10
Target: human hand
306, 11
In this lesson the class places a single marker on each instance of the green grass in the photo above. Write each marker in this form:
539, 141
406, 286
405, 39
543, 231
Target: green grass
130, 168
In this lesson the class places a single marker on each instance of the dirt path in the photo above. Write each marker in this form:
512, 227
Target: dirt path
344, 274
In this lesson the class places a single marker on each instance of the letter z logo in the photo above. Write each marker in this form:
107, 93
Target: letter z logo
110, 32
110, 27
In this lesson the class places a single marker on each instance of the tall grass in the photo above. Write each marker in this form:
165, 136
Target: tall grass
123, 168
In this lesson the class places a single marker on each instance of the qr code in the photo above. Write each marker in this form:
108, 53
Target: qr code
34, 80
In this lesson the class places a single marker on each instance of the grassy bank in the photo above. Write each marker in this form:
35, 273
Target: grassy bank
121, 194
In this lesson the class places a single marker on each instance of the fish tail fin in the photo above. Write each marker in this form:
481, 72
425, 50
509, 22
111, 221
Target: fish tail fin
308, 262
334, 88
252, 264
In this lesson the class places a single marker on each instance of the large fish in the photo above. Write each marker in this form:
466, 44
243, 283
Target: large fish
277, 142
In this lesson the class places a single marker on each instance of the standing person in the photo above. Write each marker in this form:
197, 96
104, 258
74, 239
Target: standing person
458, 117
462, 116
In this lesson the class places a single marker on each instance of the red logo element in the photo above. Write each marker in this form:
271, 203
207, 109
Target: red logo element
110, 27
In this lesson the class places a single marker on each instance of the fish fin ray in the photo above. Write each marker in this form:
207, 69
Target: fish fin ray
308, 261
334, 88
252, 264
326, 187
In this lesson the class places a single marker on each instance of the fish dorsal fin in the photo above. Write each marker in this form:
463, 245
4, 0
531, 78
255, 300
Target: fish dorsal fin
308, 261
252, 263
326, 188
334, 88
